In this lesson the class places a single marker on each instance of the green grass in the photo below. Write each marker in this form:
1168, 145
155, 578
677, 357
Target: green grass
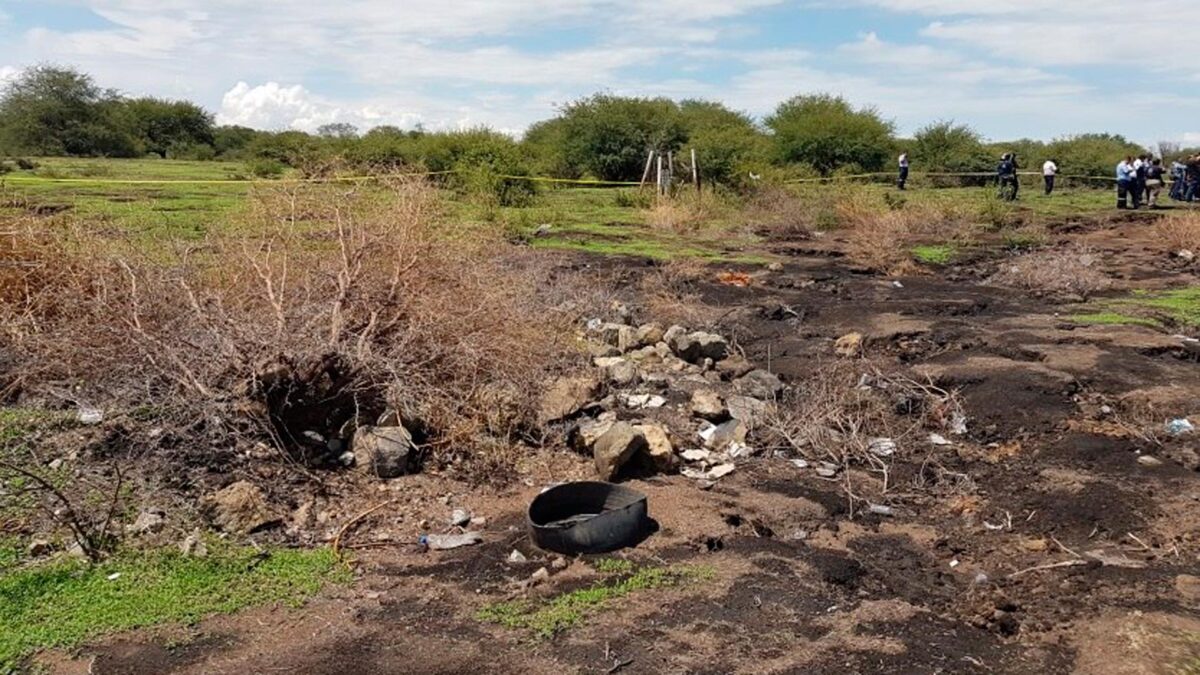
562, 612
1114, 319
938, 254
64, 603
1180, 305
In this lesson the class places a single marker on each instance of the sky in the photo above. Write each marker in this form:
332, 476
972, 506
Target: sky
1009, 68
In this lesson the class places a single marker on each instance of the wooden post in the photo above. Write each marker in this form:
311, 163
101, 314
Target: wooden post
661, 185
646, 172
695, 171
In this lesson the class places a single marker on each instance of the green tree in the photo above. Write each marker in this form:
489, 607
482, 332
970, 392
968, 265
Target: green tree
546, 144
610, 136
827, 133
946, 146
726, 141
49, 110
230, 141
165, 127
1091, 154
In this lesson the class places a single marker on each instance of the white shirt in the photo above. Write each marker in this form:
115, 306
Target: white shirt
904, 160
1137, 164
1049, 168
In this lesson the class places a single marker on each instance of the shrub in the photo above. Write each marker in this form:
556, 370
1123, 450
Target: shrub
828, 133
634, 199
263, 167
1179, 232
1072, 271
610, 136
326, 308
26, 164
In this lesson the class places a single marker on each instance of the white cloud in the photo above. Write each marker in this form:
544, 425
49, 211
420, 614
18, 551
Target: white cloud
273, 106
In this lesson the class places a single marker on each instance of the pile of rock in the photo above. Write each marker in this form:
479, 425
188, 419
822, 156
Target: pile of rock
665, 399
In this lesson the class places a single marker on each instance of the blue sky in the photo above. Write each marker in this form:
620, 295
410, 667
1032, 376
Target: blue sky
1010, 68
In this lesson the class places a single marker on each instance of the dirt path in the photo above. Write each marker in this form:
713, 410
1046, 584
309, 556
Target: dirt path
793, 584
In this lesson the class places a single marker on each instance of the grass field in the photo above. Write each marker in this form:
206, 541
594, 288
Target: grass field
185, 200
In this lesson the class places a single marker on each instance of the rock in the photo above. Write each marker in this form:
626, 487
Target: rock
584, 435
849, 345
695, 347
39, 547
460, 517
447, 542
643, 401
1035, 545
389, 418
383, 452
707, 404
566, 397
346, 459
614, 449
726, 435
89, 416
147, 522
696, 455
720, 471
759, 384
1148, 460
516, 557
620, 336
601, 350
540, 576
55, 464
659, 449
1188, 586
622, 374
193, 545
749, 410
733, 367
775, 267
559, 563
671, 337
650, 334
240, 508
1186, 254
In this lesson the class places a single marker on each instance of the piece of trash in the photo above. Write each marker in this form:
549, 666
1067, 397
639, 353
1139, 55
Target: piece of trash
1181, 426
114, 576
958, 424
542, 574
644, 401
478, 521
897, 284
516, 557
588, 517
980, 578
446, 542
1106, 410
828, 470
938, 439
881, 510
346, 459
993, 528
1149, 460
800, 463
90, 416
706, 433
954, 563
739, 279
882, 447
594, 325
694, 474
720, 471
696, 455
542, 230
460, 517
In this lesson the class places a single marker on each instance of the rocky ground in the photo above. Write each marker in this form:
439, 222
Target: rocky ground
1024, 511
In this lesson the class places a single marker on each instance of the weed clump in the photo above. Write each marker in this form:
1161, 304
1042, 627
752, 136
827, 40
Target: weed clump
1064, 272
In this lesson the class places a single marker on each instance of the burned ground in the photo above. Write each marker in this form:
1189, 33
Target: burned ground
1055, 534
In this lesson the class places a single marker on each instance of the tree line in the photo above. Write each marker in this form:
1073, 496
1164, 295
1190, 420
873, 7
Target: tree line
52, 111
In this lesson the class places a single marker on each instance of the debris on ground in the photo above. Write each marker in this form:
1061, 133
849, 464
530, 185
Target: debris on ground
446, 542
738, 279
1180, 426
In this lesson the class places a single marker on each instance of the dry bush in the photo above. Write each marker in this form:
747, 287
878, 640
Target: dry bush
671, 293
326, 306
835, 415
1179, 232
882, 240
686, 211
1072, 271
779, 213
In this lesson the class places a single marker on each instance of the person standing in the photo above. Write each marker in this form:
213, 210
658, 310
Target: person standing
1006, 175
1154, 182
1192, 179
1125, 181
1049, 171
902, 181
1140, 164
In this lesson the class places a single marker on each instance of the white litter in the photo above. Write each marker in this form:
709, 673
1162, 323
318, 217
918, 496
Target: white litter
644, 401
799, 463
958, 424
882, 447
881, 510
90, 416
696, 455
720, 471
938, 439
114, 576
706, 433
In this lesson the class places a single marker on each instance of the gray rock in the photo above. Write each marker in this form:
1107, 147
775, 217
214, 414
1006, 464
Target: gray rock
707, 404
147, 522
695, 347
759, 384
460, 517
622, 374
749, 410
725, 435
671, 337
587, 432
240, 508
1149, 460
384, 452
615, 448
620, 336
567, 396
